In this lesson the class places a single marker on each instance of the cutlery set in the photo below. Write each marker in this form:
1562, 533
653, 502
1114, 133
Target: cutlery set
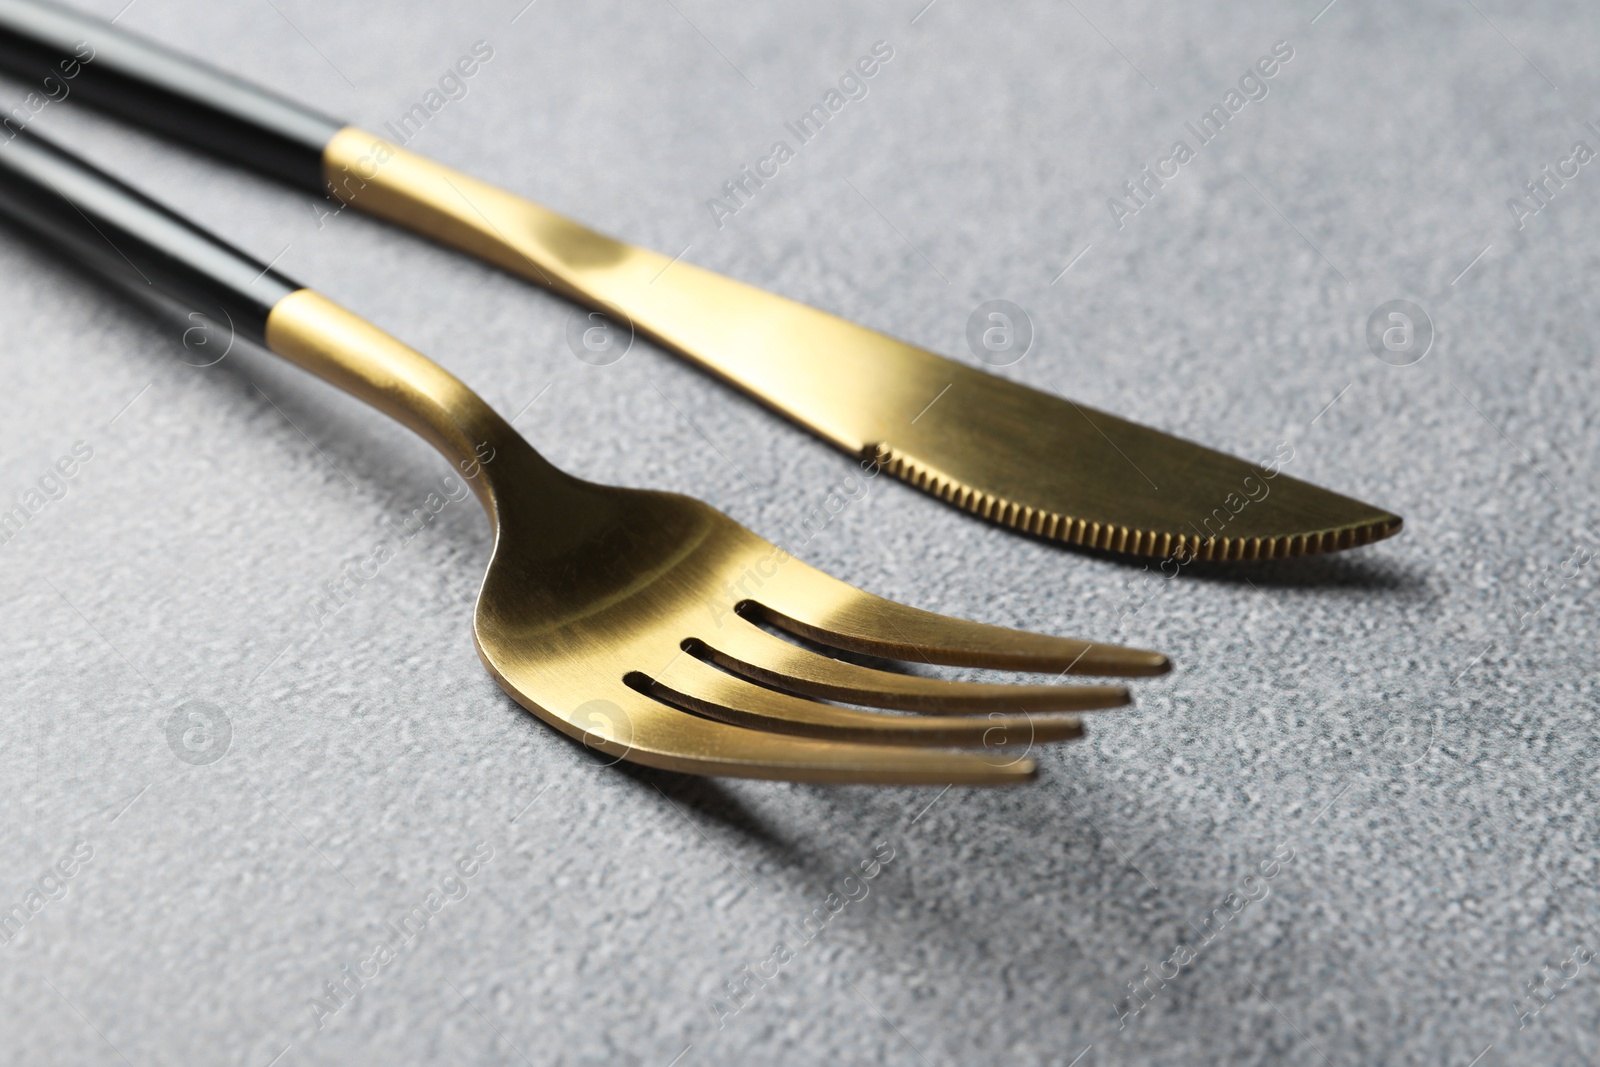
603, 610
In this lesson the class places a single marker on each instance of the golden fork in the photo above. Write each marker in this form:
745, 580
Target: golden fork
646, 624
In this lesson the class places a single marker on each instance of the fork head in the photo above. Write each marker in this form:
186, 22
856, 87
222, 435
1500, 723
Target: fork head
658, 630
647, 624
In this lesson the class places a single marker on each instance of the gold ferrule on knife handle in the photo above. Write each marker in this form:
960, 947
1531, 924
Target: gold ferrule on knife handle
365, 171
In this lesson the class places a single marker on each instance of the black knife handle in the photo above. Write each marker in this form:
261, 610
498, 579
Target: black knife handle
122, 234
154, 86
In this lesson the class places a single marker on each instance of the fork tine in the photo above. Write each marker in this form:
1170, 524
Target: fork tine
704, 689
815, 606
747, 650
665, 737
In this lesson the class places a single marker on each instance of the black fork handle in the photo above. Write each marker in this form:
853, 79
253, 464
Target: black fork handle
149, 84
101, 223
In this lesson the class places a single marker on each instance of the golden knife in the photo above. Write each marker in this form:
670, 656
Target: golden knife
1027, 459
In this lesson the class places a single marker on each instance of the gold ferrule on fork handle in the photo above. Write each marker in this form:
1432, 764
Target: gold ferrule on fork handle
319, 336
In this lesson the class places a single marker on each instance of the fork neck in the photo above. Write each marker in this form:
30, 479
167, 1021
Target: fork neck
314, 333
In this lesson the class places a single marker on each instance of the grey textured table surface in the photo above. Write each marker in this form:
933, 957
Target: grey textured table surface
1390, 732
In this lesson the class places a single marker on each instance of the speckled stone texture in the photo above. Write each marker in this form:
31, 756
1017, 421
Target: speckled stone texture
1403, 736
